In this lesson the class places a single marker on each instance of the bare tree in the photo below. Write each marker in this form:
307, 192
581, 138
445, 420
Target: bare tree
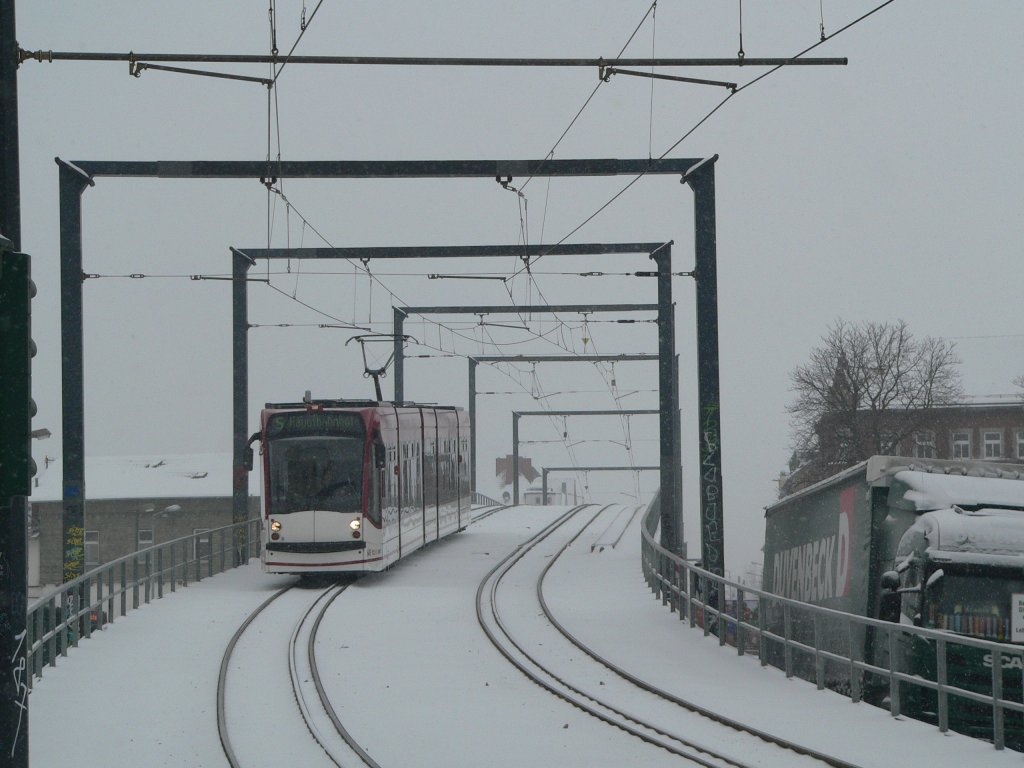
865, 390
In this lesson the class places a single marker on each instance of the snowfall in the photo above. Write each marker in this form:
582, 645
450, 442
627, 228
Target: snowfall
415, 680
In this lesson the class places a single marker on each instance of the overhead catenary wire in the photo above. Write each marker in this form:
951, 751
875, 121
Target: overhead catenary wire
534, 284
551, 152
317, 310
523, 228
273, 109
303, 26
708, 116
536, 391
793, 60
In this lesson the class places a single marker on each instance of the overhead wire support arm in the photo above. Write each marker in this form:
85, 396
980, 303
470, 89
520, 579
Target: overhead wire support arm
604, 73
135, 69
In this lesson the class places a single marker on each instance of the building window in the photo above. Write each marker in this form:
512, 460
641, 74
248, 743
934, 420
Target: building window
92, 547
1020, 444
924, 445
145, 538
201, 543
844, 443
889, 443
962, 444
993, 440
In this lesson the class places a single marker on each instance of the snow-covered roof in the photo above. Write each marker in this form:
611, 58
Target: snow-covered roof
991, 532
196, 475
978, 401
933, 490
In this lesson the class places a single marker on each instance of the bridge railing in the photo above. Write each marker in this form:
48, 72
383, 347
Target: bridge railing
957, 682
74, 610
480, 500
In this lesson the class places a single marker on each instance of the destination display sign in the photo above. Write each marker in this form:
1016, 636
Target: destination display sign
307, 424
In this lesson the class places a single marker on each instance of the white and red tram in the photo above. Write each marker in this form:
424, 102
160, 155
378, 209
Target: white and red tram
353, 486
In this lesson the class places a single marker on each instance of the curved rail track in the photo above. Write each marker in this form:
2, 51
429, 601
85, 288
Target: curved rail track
335, 745
652, 715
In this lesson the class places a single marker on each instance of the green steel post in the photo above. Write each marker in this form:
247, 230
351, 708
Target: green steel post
16, 409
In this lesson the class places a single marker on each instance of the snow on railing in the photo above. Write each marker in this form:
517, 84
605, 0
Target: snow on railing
959, 683
76, 609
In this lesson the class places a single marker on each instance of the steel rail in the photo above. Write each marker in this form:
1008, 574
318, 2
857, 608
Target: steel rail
293, 672
322, 693
643, 685
222, 722
324, 600
638, 727
490, 511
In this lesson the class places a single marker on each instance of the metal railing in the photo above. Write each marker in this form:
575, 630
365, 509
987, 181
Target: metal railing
74, 610
866, 659
479, 500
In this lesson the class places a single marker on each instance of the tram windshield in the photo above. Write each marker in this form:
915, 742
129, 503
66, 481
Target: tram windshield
322, 473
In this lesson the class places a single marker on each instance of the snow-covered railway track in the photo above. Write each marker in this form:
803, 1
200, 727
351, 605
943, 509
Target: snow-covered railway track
486, 512
514, 618
256, 719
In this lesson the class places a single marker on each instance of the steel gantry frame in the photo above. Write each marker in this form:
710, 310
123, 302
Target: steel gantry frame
421, 61
475, 360
660, 252
546, 470
516, 415
75, 177
668, 380
402, 313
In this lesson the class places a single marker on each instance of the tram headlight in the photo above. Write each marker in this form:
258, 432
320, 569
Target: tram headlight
275, 525
356, 524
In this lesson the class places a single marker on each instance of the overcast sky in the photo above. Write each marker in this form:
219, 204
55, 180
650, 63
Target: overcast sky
889, 188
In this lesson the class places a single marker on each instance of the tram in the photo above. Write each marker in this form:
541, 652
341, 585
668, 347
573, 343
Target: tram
354, 486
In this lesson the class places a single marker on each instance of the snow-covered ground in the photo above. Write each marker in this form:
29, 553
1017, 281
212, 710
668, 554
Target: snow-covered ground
415, 680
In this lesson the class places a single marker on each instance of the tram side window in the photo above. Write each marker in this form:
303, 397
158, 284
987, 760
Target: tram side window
449, 470
442, 477
414, 480
448, 495
449, 476
389, 475
406, 462
430, 478
464, 465
454, 470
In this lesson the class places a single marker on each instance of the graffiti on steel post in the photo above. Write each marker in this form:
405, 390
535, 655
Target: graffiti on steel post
18, 665
711, 490
74, 552
9, 609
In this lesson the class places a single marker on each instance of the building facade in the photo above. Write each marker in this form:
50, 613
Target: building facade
982, 429
132, 503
